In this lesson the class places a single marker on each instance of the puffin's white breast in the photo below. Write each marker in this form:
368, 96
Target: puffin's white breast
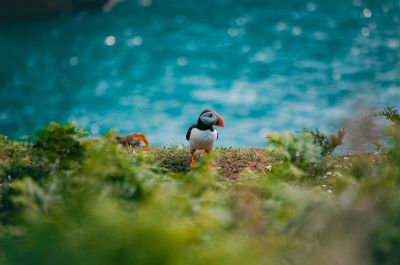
202, 140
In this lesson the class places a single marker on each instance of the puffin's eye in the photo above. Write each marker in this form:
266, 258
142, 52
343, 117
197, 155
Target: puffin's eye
209, 115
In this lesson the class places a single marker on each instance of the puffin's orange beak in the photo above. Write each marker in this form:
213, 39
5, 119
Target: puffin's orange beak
219, 122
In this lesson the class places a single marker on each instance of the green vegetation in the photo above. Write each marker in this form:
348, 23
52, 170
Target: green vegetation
67, 199
392, 115
327, 143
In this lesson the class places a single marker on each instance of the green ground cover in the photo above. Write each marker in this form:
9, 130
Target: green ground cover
68, 199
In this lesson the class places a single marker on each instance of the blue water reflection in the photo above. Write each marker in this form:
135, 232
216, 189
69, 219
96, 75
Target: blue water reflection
152, 66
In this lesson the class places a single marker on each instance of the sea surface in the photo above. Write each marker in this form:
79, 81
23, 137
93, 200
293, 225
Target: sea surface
153, 66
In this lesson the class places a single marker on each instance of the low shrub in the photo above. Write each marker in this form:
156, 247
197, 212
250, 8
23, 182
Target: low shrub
327, 143
391, 114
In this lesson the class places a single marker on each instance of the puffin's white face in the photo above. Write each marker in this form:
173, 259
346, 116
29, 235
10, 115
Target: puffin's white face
211, 118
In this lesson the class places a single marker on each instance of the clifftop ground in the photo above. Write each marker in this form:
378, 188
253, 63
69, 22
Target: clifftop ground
288, 204
232, 162
229, 162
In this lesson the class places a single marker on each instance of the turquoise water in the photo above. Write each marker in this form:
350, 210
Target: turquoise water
152, 66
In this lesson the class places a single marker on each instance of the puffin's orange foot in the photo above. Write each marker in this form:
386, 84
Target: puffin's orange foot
193, 164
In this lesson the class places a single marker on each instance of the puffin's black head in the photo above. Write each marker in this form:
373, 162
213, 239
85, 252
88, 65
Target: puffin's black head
210, 117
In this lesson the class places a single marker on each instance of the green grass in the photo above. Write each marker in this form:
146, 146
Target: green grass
67, 199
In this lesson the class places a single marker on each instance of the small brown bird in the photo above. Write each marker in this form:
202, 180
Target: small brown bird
133, 140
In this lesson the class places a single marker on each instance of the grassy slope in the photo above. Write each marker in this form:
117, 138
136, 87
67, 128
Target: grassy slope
232, 162
289, 205
277, 212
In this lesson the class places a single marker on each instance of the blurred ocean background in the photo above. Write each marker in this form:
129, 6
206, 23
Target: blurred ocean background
152, 66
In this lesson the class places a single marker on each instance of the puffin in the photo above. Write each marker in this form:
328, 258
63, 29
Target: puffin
202, 135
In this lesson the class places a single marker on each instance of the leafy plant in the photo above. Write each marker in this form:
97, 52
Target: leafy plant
294, 154
386, 238
293, 148
391, 114
58, 145
327, 143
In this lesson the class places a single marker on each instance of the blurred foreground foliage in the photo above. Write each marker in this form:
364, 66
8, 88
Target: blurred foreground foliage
67, 199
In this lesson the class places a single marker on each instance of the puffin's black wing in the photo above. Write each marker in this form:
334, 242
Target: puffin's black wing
189, 131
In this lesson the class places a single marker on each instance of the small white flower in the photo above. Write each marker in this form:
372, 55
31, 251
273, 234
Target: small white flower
269, 168
329, 173
329, 191
346, 158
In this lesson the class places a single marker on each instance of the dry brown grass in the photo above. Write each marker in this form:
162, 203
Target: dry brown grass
230, 162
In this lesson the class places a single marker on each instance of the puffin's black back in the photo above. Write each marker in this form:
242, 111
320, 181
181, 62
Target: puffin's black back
200, 125
189, 131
